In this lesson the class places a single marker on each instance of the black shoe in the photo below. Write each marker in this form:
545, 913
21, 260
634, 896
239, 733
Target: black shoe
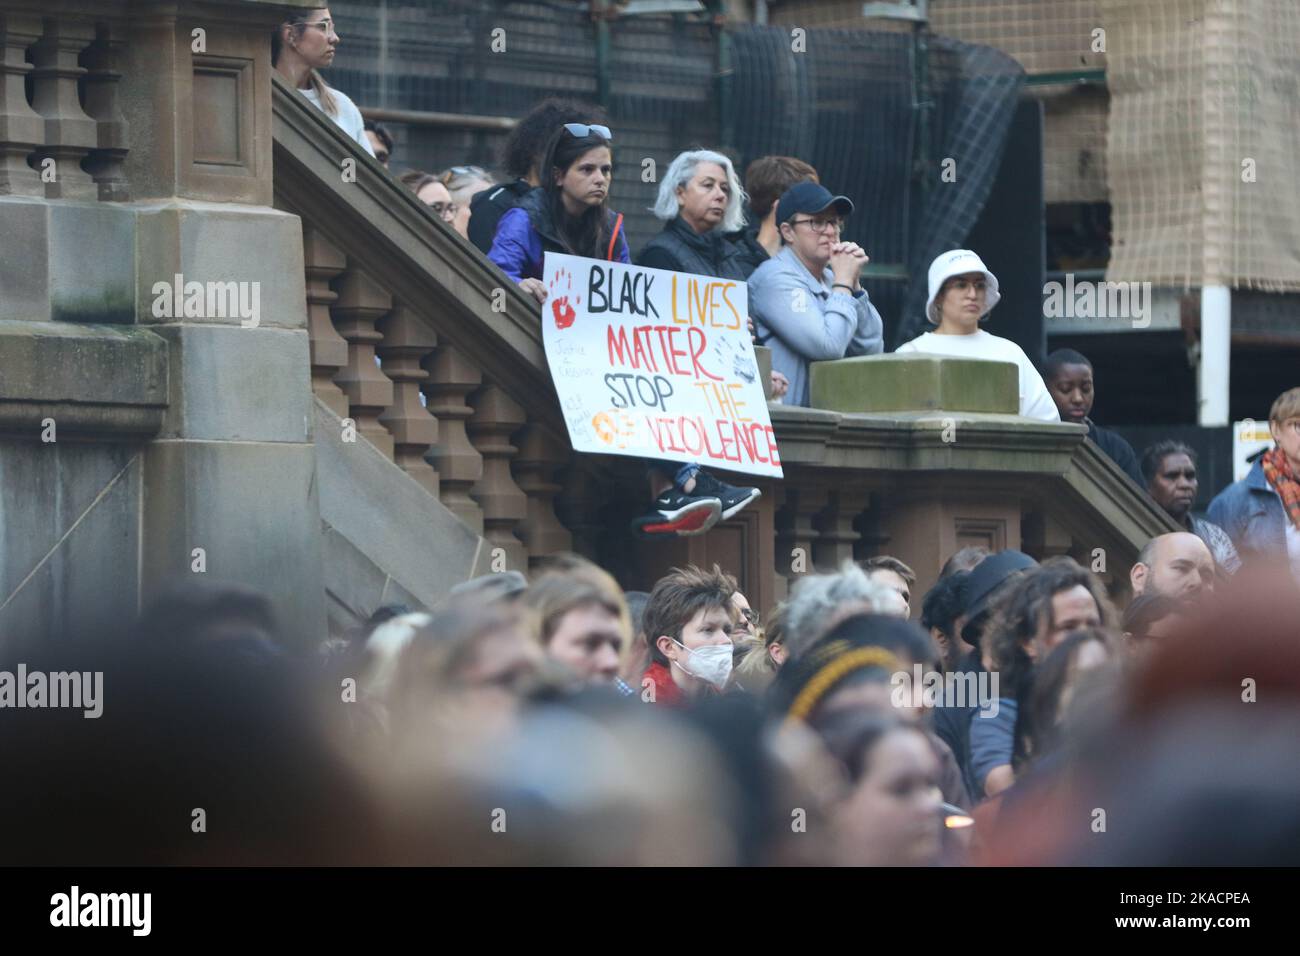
675, 513
733, 498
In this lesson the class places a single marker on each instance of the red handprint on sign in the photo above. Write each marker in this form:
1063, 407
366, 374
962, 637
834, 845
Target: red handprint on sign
560, 307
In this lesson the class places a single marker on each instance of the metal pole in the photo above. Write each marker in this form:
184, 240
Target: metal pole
1216, 353
600, 12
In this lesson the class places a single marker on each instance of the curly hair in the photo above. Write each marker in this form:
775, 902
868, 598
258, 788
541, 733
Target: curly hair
522, 151
1027, 614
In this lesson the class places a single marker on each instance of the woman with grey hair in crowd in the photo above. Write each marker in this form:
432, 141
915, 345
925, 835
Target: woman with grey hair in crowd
700, 201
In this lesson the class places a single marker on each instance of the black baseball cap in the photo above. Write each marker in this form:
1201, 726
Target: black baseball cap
810, 198
989, 575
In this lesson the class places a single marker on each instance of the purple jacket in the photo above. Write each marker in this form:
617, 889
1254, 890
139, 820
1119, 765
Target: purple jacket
525, 234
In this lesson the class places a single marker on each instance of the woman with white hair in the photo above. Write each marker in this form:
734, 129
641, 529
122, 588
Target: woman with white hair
700, 200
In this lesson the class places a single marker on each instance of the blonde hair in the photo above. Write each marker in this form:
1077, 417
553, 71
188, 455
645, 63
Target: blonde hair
1286, 407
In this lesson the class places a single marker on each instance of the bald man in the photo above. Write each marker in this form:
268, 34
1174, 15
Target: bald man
1176, 565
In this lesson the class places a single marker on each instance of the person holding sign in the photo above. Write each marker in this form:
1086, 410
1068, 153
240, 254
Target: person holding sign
807, 301
569, 214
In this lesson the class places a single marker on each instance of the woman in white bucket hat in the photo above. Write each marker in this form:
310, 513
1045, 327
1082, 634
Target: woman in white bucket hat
962, 292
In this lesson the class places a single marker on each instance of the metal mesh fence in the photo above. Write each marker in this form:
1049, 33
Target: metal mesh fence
846, 101
1204, 131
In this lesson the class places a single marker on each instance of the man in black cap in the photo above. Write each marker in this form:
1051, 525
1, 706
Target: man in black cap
807, 302
984, 585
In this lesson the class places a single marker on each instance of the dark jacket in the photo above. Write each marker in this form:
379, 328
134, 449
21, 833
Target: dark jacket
680, 248
1118, 450
526, 233
488, 206
1252, 514
749, 251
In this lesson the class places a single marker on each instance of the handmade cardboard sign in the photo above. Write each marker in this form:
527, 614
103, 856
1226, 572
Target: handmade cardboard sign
656, 364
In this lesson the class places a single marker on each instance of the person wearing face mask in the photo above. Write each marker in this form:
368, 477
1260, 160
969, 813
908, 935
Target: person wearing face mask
688, 623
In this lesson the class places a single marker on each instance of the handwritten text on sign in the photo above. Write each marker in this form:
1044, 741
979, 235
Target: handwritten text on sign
656, 364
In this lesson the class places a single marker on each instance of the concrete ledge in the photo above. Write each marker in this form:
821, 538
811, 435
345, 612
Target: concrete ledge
105, 381
910, 383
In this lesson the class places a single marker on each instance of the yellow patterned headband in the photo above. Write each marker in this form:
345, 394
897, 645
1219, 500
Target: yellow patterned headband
826, 678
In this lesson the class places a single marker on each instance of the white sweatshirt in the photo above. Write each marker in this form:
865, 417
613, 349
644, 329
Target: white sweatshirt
348, 118
1035, 401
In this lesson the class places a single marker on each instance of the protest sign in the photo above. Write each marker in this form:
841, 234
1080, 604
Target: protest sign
656, 364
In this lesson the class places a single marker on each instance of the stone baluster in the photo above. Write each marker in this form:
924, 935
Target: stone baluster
835, 533
458, 462
106, 163
578, 505
496, 417
407, 342
70, 134
796, 536
329, 351
361, 303
22, 130
541, 454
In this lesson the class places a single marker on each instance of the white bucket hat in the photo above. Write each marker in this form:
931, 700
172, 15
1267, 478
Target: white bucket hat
958, 262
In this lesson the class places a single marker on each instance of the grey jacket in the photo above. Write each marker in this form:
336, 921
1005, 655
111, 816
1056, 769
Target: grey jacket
802, 320
1252, 514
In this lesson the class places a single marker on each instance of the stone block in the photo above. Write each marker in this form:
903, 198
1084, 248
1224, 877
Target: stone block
247, 261
252, 508
909, 383
92, 263
25, 262
69, 545
232, 383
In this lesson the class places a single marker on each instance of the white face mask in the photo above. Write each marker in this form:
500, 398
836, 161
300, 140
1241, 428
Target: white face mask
711, 663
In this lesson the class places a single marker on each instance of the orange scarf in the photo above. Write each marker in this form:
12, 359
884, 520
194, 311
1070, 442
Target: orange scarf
1283, 479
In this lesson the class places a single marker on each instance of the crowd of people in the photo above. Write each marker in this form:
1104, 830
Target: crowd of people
557, 719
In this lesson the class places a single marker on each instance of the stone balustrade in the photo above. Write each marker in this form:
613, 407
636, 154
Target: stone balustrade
70, 139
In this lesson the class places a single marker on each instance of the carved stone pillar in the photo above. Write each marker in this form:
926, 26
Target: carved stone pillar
541, 454
407, 342
836, 536
578, 504
70, 134
458, 462
361, 303
496, 417
106, 163
796, 536
324, 262
21, 128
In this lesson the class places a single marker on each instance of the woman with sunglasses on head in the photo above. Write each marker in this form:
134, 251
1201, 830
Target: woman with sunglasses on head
300, 47
570, 212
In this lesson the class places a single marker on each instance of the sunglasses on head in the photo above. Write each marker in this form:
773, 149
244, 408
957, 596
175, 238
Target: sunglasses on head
582, 129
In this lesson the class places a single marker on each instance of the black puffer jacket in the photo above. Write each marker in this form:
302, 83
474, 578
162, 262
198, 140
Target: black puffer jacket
680, 248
